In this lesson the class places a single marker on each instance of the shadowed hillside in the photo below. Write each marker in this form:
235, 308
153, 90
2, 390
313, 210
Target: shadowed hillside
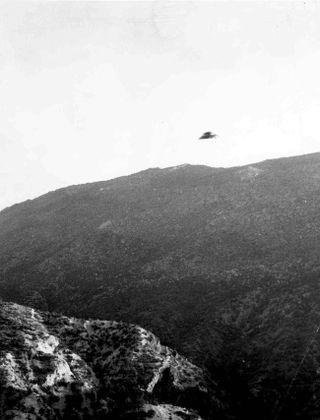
222, 264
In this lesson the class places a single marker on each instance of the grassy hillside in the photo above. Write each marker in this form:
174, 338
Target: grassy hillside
222, 264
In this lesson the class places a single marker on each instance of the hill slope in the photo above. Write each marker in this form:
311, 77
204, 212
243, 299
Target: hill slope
54, 367
172, 223
222, 264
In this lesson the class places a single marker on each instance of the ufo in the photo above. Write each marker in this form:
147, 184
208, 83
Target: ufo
208, 135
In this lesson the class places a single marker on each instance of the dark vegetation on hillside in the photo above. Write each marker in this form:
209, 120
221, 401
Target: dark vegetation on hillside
222, 264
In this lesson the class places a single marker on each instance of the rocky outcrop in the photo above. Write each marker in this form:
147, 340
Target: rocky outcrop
167, 412
55, 367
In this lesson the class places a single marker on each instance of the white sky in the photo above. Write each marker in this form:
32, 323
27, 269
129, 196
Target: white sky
93, 90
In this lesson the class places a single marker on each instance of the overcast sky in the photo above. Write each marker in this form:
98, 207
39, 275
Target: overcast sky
93, 90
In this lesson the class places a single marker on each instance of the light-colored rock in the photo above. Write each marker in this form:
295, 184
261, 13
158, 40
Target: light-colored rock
55, 367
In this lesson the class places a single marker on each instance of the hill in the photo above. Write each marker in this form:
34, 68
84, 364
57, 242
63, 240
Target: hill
222, 264
54, 367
